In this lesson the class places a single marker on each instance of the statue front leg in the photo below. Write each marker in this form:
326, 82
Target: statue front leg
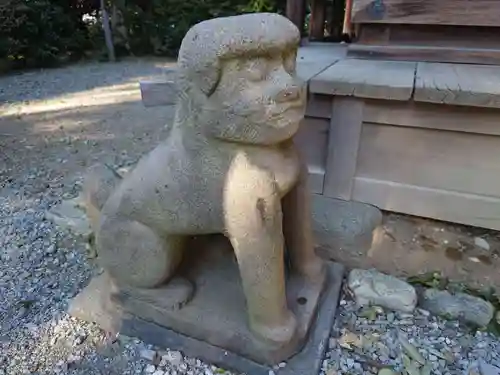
297, 228
254, 227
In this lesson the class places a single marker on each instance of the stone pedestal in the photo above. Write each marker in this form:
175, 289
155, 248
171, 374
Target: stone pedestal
213, 326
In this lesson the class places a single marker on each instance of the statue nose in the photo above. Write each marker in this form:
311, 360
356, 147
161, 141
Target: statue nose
288, 93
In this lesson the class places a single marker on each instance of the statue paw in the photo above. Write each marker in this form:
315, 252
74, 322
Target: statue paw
277, 334
172, 296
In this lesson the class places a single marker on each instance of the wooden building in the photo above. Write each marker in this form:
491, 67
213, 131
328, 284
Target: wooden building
407, 116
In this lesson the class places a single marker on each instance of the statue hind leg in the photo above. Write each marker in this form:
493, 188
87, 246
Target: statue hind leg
137, 257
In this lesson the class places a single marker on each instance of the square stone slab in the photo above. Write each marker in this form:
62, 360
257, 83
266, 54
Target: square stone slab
213, 326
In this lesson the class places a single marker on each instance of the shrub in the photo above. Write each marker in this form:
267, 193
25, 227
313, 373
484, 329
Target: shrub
159, 26
39, 33
42, 33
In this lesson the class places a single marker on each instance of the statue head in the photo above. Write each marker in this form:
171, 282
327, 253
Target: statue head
237, 79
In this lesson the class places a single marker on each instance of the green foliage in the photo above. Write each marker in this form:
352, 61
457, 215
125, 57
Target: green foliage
38, 33
42, 33
159, 27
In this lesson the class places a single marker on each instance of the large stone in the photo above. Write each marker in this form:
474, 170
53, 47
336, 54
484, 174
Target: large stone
371, 287
457, 306
343, 229
228, 166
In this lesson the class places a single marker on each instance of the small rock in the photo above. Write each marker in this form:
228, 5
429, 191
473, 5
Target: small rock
371, 287
148, 354
79, 339
173, 357
150, 369
158, 372
482, 243
458, 306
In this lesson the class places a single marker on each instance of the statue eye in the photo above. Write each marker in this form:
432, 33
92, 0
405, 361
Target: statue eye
290, 61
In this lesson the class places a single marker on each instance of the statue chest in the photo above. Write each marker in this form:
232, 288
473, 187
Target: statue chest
281, 164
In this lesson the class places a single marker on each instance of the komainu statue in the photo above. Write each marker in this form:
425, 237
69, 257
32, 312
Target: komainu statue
228, 166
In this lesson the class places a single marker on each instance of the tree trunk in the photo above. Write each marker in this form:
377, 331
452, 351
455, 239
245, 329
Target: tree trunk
107, 33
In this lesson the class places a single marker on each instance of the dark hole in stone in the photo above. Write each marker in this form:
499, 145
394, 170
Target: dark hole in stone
301, 300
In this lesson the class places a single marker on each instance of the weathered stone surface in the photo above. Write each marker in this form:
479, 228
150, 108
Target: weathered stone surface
457, 306
229, 165
375, 288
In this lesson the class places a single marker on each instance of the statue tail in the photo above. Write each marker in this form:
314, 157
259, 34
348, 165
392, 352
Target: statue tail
99, 184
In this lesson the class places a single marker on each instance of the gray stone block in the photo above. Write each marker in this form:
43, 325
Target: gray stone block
343, 226
307, 361
458, 306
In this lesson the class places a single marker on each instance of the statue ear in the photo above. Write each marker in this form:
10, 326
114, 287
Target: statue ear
207, 79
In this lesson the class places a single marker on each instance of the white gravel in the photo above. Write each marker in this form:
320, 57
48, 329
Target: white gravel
365, 340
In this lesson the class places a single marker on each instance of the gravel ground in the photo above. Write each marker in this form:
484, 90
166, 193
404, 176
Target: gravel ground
365, 340
54, 124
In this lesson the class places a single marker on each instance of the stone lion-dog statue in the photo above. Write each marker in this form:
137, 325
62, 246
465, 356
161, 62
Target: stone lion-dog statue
229, 165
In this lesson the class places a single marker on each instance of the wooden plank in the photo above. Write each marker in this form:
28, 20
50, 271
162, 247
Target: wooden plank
429, 35
468, 85
392, 80
429, 12
433, 116
317, 19
469, 209
425, 53
343, 141
158, 93
454, 161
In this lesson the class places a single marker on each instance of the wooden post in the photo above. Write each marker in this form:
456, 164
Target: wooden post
346, 30
317, 20
335, 23
296, 12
